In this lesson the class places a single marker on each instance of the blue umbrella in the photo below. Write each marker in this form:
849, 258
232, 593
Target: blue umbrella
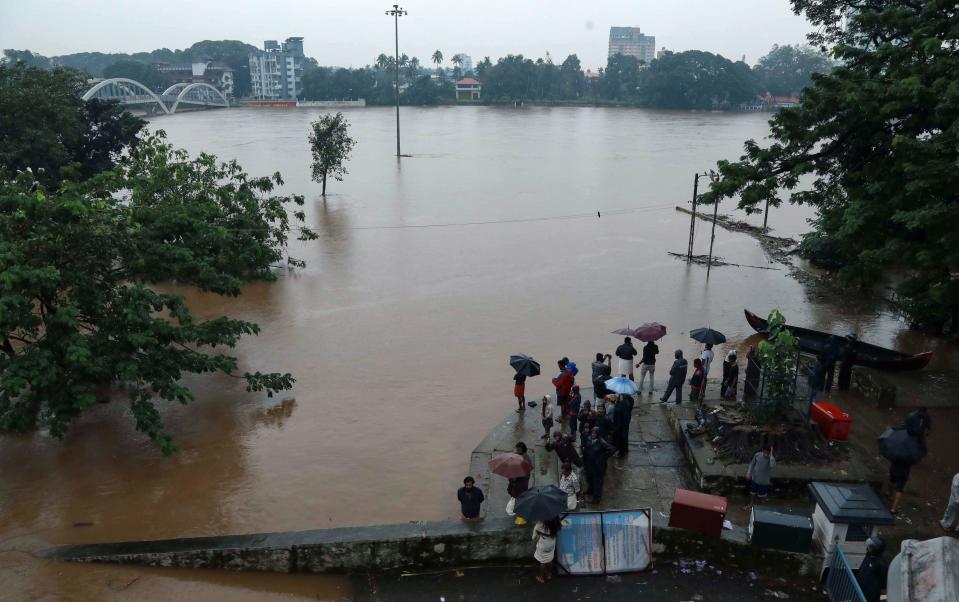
622, 386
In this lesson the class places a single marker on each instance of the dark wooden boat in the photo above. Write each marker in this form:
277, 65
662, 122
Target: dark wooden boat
873, 356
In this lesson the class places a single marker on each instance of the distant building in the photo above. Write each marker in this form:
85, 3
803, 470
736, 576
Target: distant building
592, 79
662, 52
632, 42
216, 73
468, 89
466, 64
276, 72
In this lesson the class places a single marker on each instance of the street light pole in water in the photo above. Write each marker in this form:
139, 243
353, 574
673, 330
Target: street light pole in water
396, 13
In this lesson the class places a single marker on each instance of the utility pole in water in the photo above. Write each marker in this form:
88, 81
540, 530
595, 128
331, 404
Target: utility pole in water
715, 178
692, 220
396, 13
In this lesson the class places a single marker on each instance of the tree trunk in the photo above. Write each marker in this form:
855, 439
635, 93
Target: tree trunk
324, 183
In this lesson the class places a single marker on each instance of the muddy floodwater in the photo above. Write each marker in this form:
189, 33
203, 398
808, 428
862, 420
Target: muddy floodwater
533, 230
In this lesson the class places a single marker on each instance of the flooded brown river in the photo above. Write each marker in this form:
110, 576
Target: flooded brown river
428, 273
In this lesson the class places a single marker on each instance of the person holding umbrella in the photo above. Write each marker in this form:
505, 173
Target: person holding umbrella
516, 467
544, 535
626, 352
647, 365
543, 505
525, 367
902, 450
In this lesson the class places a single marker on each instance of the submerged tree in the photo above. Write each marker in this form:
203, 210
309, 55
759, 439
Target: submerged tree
877, 141
331, 145
78, 312
778, 356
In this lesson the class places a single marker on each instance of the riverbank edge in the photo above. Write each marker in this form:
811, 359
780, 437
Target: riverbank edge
409, 547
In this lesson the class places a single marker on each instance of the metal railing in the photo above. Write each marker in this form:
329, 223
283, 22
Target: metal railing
841, 584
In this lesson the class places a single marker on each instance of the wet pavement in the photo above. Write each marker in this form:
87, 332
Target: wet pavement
663, 583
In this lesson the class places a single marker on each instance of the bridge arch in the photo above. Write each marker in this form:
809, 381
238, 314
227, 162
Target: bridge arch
174, 89
195, 86
129, 84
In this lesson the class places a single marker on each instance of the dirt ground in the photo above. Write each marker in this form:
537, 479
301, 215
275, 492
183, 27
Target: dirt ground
928, 488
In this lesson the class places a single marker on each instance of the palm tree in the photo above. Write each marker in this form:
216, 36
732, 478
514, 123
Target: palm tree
412, 68
457, 60
438, 58
382, 61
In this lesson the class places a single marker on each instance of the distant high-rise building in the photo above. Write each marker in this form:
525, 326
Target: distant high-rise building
466, 64
632, 42
276, 72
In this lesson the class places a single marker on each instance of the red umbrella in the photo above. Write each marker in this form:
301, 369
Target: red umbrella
510, 465
652, 331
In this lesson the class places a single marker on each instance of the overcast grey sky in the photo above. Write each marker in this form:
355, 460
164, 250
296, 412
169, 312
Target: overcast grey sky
353, 32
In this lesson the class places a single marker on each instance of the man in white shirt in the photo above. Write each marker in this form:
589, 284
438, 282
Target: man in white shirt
707, 358
569, 484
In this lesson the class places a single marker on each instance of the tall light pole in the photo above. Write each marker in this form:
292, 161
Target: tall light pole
396, 13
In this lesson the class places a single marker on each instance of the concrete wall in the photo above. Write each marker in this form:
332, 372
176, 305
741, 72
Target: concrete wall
412, 546
331, 104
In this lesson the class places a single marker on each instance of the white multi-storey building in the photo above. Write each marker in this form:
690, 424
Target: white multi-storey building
276, 72
630, 41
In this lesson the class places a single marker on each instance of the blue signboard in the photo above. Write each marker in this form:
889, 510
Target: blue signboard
579, 547
593, 543
628, 540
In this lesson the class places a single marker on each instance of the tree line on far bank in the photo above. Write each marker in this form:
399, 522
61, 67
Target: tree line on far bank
678, 80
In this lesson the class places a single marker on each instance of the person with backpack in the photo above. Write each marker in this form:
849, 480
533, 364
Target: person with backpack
564, 385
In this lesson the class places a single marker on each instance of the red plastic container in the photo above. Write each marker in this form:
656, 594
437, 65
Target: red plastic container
833, 422
697, 511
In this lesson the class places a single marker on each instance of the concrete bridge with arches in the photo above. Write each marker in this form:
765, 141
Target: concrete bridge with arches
133, 93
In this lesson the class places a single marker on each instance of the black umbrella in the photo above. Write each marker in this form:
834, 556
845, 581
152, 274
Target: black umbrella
541, 503
524, 364
897, 445
707, 335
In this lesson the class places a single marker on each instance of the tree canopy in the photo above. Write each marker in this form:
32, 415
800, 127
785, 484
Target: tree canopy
331, 144
786, 70
695, 80
877, 140
56, 133
79, 258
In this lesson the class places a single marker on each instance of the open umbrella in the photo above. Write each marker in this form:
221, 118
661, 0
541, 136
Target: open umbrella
897, 445
707, 335
524, 364
541, 503
621, 385
510, 465
629, 332
651, 331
